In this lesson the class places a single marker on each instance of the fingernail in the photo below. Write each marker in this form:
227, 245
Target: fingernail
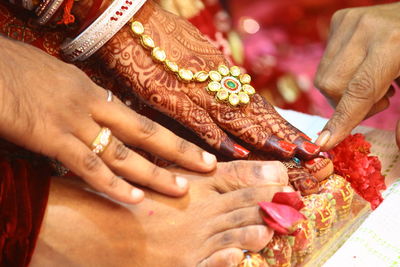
231, 149
288, 147
137, 194
240, 151
323, 138
208, 158
287, 189
310, 147
305, 136
271, 173
181, 182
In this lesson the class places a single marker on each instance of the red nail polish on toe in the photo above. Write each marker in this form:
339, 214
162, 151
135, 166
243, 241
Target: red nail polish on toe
240, 151
288, 147
310, 162
311, 148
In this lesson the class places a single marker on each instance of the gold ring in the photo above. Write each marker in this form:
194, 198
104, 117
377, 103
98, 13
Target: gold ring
109, 96
101, 141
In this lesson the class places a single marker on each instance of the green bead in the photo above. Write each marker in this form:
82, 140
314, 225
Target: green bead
231, 84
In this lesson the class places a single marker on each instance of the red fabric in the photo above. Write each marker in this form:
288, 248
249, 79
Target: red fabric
24, 187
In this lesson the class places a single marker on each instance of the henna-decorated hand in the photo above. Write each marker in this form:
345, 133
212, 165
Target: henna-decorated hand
257, 124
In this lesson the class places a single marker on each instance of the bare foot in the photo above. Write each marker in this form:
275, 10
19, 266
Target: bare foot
208, 227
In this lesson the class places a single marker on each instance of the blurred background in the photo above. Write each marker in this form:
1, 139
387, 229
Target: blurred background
280, 43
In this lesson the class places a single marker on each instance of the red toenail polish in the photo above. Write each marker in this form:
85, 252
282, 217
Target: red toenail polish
288, 147
241, 151
310, 162
305, 136
310, 147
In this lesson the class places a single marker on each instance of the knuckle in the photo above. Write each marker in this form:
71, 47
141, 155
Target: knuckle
236, 166
155, 172
91, 162
113, 182
226, 239
236, 218
366, 20
121, 152
182, 145
248, 195
362, 87
147, 127
338, 16
394, 36
326, 84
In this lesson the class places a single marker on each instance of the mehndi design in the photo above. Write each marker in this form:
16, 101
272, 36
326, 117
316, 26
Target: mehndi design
256, 124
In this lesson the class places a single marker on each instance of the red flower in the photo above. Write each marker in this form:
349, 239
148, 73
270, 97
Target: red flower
282, 214
352, 161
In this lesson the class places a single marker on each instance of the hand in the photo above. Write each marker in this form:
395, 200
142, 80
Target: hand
361, 61
257, 124
208, 227
53, 108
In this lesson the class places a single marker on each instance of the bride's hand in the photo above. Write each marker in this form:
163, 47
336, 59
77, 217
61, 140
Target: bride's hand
257, 124
53, 108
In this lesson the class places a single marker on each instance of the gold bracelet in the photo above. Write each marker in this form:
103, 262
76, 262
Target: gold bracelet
228, 85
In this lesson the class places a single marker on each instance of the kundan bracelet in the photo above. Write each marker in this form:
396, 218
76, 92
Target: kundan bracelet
101, 30
228, 85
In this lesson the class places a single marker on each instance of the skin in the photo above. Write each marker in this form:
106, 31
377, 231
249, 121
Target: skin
361, 61
59, 115
111, 234
257, 124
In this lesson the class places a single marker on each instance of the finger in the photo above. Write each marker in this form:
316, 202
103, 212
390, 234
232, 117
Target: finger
236, 175
253, 238
378, 107
341, 29
134, 167
335, 77
85, 163
248, 197
178, 106
238, 218
139, 170
237, 122
265, 115
148, 135
229, 257
369, 83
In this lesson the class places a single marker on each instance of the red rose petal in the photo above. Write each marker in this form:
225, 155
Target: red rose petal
280, 215
291, 199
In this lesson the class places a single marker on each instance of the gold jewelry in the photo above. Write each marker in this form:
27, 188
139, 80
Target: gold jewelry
226, 84
101, 141
109, 96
